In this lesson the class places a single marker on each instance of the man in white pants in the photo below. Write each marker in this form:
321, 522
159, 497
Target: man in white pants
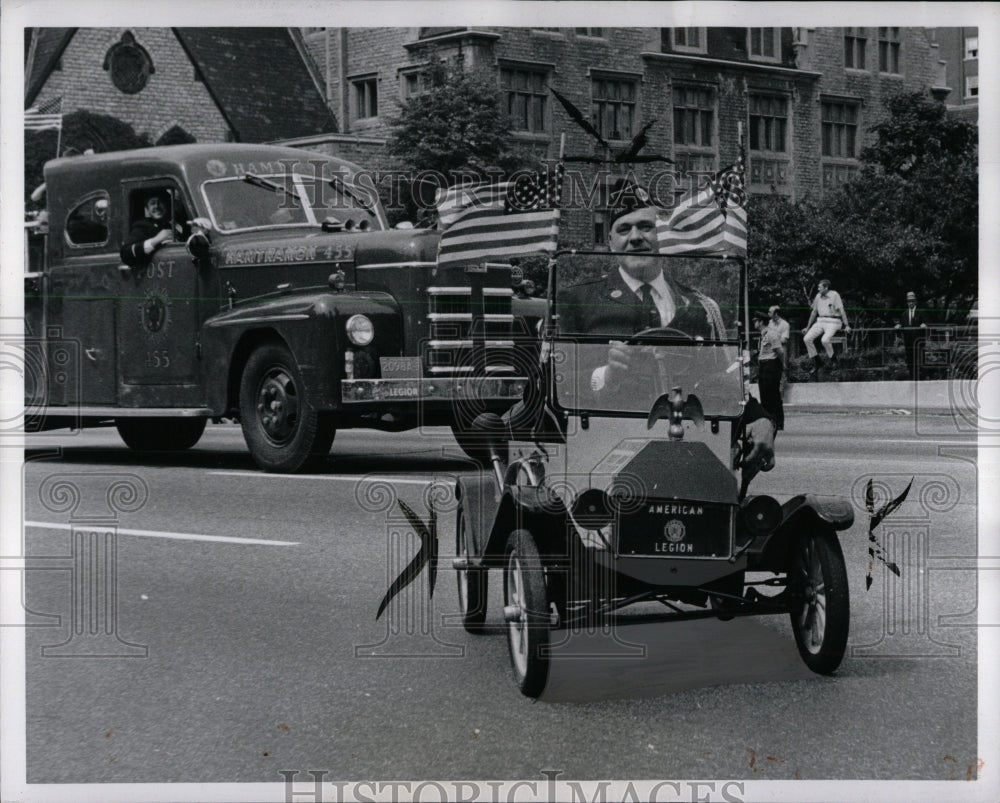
825, 318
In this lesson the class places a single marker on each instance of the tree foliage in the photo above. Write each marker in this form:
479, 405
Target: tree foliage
908, 221
81, 131
455, 127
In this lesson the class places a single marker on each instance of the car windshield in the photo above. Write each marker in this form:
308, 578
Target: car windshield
275, 200
615, 351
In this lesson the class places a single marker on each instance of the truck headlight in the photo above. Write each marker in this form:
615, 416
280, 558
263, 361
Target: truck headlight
360, 330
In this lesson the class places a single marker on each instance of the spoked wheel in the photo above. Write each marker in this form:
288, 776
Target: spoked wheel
817, 582
282, 432
472, 582
526, 611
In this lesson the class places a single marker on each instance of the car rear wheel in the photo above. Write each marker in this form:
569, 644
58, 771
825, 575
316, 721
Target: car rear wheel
160, 434
526, 612
472, 582
282, 431
817, 584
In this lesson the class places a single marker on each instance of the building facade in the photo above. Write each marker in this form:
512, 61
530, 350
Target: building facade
959, 49
804, 96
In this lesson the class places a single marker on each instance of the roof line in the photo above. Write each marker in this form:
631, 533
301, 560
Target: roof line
312, 69
207, 84
34, 87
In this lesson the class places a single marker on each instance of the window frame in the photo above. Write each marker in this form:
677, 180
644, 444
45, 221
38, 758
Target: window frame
893, 48
971, 82
544, 72
785, 120
699, 126
775, 41
597, 103
686, 48
856, 36
586, 32
91, 198
420, 73
975, 48
855, 125
356, 83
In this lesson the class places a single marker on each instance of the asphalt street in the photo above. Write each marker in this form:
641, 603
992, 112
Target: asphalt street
243, 638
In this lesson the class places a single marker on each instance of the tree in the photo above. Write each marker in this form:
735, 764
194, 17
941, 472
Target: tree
908, 221
455, 127
81, 131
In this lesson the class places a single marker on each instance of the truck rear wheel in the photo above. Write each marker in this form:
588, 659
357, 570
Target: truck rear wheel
283, 433
160, 434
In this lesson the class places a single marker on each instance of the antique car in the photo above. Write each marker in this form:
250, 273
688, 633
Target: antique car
284, 301
633, 493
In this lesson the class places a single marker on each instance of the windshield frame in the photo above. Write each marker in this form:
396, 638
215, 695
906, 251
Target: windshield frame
552, 337
374, 214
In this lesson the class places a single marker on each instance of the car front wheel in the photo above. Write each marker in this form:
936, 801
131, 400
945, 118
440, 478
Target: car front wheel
817, 584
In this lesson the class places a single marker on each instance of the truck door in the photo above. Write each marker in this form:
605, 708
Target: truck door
158, 310
78, 292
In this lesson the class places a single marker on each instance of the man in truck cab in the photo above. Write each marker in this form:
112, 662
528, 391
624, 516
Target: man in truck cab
151, 231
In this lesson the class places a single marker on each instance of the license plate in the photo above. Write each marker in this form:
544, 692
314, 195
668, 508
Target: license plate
400, 367
677, 529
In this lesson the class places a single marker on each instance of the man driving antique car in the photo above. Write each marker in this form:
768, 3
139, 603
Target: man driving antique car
636, 294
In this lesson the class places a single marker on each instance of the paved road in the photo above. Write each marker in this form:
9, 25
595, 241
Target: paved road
252, 599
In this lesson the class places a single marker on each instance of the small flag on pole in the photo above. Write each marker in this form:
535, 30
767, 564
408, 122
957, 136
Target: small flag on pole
500, 220
44, 117
710, 220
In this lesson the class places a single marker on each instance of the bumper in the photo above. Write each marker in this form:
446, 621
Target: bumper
489, 389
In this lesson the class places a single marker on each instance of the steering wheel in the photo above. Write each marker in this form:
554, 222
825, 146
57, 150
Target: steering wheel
658, 331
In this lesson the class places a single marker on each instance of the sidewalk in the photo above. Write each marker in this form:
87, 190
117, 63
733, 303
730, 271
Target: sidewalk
935, 396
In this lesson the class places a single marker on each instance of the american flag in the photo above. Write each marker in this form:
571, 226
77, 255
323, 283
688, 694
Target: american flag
710, 220
44, 117
500, 220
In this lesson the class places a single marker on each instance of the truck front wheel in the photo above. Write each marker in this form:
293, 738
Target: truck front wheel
284, 434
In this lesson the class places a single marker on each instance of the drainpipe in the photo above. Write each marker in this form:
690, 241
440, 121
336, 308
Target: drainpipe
344, 118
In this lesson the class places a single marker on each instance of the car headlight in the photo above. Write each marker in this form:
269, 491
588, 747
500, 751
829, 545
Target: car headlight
360, 330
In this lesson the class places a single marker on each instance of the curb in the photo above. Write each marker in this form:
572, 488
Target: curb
939, 396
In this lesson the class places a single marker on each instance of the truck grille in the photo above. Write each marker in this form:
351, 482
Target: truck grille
453, 331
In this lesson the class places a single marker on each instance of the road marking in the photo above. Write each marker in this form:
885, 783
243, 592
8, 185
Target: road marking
327, 477
226, 539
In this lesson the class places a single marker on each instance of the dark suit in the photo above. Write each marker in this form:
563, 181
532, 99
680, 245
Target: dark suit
132, 253
609, 306
912, 332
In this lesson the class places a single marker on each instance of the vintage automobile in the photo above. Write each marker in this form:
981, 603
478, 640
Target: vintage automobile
633, 493
284, 301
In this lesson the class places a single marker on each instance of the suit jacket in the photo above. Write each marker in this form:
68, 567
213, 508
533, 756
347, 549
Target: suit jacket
608, 306
918, 318
132, 253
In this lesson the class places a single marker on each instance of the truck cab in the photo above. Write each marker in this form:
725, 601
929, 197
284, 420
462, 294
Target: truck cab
281, 299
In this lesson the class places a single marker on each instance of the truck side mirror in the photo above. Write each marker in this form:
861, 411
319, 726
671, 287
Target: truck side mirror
198, 245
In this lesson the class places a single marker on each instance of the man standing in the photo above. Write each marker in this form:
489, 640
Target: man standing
778, 325
913, 326
770, 365
825, 318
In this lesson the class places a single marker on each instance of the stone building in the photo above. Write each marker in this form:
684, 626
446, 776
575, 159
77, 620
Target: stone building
805, 96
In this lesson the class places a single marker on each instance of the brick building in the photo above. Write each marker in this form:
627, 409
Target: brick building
959, 48
805, 96
213, 84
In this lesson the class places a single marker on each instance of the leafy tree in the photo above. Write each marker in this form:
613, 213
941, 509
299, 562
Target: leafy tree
81, 131
908, 221
456, 127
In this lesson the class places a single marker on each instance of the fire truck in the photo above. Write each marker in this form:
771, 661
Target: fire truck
282, 300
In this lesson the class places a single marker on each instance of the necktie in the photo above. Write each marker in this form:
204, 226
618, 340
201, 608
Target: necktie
650, 314
911, 315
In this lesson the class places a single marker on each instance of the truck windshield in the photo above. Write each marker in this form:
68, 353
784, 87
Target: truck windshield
267, 201
618, 347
